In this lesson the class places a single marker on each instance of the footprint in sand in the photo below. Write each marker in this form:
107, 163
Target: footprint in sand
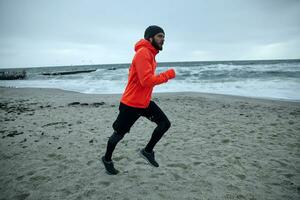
256, 164
89, 193
233, 188
241, 176
89, 163
119, 158
38, 180
281, 163
176, 176
104, 183
180, 165
66, 192
30, 173
139, 163
20, 178
225, 141
289, 176
234, 196
196, 163
21, 196
56, 156
57, 124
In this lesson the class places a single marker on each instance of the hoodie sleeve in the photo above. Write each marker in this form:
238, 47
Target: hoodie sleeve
145, 74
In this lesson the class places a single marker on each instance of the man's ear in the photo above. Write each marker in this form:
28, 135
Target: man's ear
151, 39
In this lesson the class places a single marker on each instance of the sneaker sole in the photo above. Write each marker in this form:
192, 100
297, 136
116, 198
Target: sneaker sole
106, 170
146, 159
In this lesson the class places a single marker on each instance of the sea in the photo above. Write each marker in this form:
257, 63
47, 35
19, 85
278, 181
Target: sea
267, 79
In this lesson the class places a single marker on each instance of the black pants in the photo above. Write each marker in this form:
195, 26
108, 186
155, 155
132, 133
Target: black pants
128, 116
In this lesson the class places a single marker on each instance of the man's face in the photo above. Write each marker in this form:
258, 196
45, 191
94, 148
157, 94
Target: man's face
158, 41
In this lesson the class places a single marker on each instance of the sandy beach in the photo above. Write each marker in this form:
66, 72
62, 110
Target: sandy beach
218, 147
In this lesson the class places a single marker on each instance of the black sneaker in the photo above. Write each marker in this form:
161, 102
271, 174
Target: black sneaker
149, 157
109, 166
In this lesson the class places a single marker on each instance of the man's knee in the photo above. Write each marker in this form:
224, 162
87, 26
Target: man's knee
120, 129
164, 125
167, 125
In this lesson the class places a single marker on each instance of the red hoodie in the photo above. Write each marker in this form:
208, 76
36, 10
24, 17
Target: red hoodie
142, 77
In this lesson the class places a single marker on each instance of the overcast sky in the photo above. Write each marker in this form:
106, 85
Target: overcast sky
36, 33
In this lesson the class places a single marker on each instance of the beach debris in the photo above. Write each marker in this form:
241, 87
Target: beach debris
74, 103
112, 68
97, 104
12, 75
68, 72
13, 134
15, 108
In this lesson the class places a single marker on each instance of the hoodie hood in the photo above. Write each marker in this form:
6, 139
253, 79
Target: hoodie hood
145, 44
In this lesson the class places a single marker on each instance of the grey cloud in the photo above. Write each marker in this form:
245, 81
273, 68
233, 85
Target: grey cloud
195, 30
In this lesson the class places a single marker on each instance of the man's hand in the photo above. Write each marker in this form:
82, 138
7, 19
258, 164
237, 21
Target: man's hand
170, 74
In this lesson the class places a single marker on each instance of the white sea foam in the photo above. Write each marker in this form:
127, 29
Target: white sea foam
261, 79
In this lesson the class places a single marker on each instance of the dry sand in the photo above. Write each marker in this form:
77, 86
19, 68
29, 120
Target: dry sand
218, 147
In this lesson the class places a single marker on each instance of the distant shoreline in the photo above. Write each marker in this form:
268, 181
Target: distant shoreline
165, 62
200, 94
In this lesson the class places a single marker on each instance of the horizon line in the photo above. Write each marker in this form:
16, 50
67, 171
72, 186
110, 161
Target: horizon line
78, 65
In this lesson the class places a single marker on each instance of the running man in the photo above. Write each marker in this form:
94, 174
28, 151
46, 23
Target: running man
136, 99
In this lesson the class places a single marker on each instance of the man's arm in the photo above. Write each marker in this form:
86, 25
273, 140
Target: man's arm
145, 74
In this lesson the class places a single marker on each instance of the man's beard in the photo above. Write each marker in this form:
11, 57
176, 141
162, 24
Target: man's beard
156, 46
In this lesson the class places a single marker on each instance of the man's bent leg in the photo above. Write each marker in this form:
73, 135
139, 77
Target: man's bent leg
158, 132
126, 118
155, 114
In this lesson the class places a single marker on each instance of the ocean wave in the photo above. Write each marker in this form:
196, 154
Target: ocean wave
259, 78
